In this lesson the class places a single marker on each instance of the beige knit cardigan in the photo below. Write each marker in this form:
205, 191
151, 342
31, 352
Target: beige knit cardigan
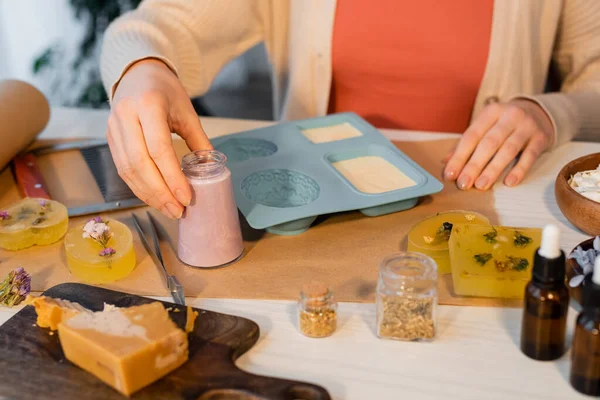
196, 38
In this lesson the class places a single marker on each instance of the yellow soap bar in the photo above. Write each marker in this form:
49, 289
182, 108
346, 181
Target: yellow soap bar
430, 236
127, 348
31, 222
51, 312
492, 261
88, 260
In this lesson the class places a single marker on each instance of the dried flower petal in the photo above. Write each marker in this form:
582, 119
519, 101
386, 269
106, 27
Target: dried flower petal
576, 280
15, 287
4, 215
109, 251
597, 243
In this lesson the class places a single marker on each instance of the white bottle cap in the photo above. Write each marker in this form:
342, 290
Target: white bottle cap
550, 247
596, 273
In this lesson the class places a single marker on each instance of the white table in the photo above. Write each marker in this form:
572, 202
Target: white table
476, 355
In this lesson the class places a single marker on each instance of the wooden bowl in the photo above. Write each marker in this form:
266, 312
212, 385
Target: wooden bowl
574, 269
579, 210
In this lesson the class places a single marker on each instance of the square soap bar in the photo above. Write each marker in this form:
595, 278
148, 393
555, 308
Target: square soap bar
127, 348
492, 261
430, 236
331, 133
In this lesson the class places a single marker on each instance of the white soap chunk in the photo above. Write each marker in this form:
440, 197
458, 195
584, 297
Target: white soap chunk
373, 174
587, 183
331, 133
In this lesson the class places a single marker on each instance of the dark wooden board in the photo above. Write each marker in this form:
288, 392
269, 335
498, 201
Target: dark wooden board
32, 364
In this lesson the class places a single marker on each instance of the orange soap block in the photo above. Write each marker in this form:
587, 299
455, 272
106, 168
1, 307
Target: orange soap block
51, 312
127, 348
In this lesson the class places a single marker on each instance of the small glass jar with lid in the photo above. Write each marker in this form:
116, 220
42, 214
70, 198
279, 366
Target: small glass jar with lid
407, 297
317, 310
209, 230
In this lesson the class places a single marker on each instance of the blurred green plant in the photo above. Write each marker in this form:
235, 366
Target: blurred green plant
79, 80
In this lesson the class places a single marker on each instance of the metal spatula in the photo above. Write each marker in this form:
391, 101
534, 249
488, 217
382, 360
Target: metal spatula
114, 190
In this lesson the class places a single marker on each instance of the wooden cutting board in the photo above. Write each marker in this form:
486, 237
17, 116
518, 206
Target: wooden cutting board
33, 366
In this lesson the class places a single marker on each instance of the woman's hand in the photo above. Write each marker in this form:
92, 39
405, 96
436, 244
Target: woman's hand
496, 137
148, 105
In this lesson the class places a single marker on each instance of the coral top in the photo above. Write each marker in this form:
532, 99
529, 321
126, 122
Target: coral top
410, 64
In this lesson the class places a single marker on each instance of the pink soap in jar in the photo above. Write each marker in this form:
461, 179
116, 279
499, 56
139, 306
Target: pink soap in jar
209, 231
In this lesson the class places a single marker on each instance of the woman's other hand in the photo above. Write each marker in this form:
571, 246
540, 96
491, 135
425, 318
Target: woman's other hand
496, 137
150, 103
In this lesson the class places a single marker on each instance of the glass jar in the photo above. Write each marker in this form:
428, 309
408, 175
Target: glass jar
209, 230
407, 297
317, 311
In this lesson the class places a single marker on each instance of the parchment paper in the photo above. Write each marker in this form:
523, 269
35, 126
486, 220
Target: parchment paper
342, 250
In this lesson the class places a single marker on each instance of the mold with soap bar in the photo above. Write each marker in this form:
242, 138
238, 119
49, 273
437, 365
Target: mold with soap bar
374, 170
280, 188
330, 133
243, 149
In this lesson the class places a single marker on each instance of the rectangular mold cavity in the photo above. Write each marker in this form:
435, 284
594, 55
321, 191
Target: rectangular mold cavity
375, 170
317, 132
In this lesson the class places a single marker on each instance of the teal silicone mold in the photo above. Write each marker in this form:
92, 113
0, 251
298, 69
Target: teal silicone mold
283, 181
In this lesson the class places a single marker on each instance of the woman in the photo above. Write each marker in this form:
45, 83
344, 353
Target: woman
472, 66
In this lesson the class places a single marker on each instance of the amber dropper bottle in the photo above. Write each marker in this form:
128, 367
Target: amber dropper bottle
585, 362
546, 301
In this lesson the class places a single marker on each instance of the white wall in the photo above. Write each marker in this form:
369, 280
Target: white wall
27, 28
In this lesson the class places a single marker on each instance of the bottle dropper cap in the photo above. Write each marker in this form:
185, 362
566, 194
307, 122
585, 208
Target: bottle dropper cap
549, 260
591, 291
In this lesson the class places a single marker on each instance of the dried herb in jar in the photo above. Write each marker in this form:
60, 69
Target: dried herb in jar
317, 311
407, 318
318, 323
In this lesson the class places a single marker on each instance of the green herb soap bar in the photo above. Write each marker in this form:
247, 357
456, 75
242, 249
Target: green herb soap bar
492, 261
32, 222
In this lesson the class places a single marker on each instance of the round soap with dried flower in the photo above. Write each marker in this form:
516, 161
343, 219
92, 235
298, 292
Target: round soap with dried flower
430, 236
31, 222
100, 251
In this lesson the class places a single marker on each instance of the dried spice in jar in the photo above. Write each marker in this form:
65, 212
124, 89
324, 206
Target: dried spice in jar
407, 297
317, 311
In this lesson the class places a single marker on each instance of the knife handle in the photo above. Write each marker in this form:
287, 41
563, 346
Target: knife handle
28, 176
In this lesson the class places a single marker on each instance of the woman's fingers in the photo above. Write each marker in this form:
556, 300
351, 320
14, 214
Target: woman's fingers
470, 140
532, 152
505, 155
157, 134
487, 147
138, 169
186, 124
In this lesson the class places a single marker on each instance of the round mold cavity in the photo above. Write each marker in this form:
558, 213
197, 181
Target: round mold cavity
280, 188
242, 149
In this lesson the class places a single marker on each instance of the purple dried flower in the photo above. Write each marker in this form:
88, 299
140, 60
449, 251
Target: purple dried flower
97, 219
109, 251
4, 215
43, 203
15, 287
